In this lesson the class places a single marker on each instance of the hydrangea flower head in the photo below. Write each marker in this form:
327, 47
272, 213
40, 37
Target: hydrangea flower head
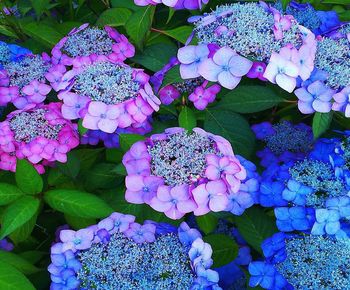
40, 135
107, 96
24, 83
176, 4
87, 41
178, 172
11, 52
284, 141
233, 35
302, 262
313, 193
119, 253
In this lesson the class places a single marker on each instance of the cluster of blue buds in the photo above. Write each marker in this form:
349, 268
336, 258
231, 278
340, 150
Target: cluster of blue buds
11, 53
295, 261
311, 195
319, 22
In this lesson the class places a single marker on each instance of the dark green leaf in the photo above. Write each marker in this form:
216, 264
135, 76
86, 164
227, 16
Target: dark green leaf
18, 262
187, 119
225, 249
18, 213
40, 6
9, 193
81, 129
139, 24
321, 123
285, 3
102, 175
126, 140
77, 203
172, 76
78, 222
249, 99
88, 157
42, 33
12, 279
181, 33
114, 155
23, 232
155, 56
71, 167
233, 127
27, 178
255, 226
114, 17
207, 223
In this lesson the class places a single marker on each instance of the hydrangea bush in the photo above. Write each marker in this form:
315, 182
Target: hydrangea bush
174, 144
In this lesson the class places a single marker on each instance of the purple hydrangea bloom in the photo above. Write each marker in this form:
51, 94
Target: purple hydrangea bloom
177, 172
162, 257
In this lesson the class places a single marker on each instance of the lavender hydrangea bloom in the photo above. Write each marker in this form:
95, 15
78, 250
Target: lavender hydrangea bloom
302, 262
176, 4
177, 172
161, 257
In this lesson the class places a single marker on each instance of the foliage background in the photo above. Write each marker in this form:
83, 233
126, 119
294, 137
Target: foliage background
91, 185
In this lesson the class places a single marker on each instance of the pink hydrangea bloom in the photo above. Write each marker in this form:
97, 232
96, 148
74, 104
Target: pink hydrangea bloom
174, 171
92, 41
168, 94
282, 23
24, 82
41, 135
202, 96
257, 71
226, 67
106, 96
174, 202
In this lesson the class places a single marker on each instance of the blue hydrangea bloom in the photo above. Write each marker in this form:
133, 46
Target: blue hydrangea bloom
306, 262
11, 53
311, 195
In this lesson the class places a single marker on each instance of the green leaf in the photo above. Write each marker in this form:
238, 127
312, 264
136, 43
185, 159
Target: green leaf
23, 232
207, 223
172, 76
79, 223
40, 6
285, 3
114, 17
12, 279
17, 214
9, 193
72, 167
43, 33
340, 2
77, 203
127, 140
7, 31
233, 127
27, 178
88, 157
187, 119
321, 123
155, 56
139, 24
102, 175
225, 249
249, 99
18, 262
180, 34
114, 155
81, 129
255, 226
120, 169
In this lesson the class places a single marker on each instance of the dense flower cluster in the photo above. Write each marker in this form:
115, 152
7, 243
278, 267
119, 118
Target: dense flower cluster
119, 253
92, 41
40, 135
294, 261
26, 81
232, 35
106, 96
176, 4
319, 22
178, 172
283, 142
311, 194
11, 53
